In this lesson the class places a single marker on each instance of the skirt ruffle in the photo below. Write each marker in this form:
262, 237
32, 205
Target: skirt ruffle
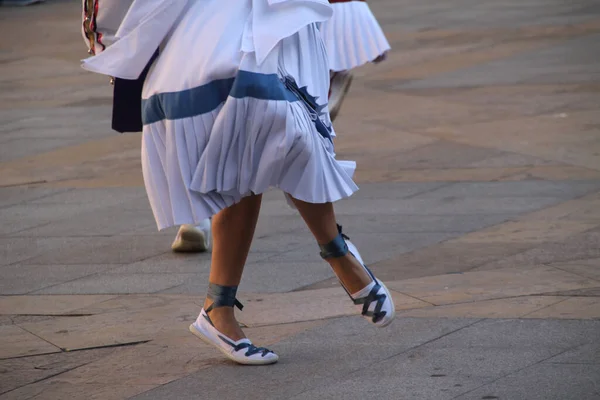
218, 126
352, 36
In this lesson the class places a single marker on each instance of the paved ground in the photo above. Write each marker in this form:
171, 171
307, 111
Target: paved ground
478, 145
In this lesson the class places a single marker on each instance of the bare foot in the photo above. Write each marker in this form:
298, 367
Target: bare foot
223, 319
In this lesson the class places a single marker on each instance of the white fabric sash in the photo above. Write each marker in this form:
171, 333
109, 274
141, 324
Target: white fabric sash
148, 22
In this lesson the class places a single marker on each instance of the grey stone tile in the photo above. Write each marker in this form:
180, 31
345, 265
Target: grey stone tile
585, 354
22, 279
14, 250
307, 253
570, 61
439, 154
548, 336
175, 263
20, 217
512, 159
280, 277
13, 149
19, 372
282, 242
398, 386
558, 189
118, 284
121, 249
543, 382
445, 258
78, 210
98, 197
446, 206
395, 190
391, 224
107, 221
268, 226
196, 283
590, 292
461, 362
329, 353
16, 195
577, 247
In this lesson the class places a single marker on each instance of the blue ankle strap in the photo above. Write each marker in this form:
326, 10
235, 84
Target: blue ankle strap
222, 296
334, 249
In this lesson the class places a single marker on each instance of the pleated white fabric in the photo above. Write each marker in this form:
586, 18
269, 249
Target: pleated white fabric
352, 36
222, 121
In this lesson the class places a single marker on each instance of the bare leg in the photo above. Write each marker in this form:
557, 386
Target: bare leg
232, 230
321, 221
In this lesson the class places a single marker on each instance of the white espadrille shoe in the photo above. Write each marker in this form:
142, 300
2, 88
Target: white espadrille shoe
192, 239
241, 351
374, 300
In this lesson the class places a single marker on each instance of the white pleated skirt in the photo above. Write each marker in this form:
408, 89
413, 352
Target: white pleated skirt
352, 36
219, 125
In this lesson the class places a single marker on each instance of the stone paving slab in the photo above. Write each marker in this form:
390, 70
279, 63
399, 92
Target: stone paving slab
450, 206
108, 221
459, 360
513, 307
288, 377
566, 189
487, 285
588, 268
136, 369
47, 305
169, 263
103, 250
546, 65
24, 278
543, 381
535, 232
446, 257
395, 224
521, 135
118, 284
132, 303
551, 336
591, 292
576, 247
584, 354
19, 372
14, 195
79, 391
17, 342
471, 174
116, 328
18, 218
570, 308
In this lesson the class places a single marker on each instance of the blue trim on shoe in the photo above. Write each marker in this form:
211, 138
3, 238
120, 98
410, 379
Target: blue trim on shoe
376, 315
334, 249
252, 349
222, 296
338, 248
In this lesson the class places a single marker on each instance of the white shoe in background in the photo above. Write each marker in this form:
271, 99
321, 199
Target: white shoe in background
192, 239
